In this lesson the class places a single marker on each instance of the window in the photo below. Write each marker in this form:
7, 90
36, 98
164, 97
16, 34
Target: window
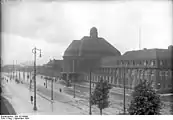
140, 62
165, 63
153, 78
141, 74
118, 62
166, 78
152, 63
111, 80
170, 78
161, 74
146, 75
145, 63
161, 62
133, 62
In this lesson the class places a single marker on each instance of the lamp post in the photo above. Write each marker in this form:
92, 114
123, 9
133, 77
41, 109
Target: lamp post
34, 51
52, 89
13, 70
73, 79
90, 93
124, 93
30, 81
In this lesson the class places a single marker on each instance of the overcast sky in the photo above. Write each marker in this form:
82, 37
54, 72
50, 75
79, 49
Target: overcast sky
51, 26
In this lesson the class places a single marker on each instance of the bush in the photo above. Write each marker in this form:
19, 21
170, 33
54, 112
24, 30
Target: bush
145, 100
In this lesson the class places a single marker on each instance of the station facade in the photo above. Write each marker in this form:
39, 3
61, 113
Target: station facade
93, 54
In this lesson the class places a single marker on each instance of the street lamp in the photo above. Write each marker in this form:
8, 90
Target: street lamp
124, 92
90, 93
73, 77
34, 51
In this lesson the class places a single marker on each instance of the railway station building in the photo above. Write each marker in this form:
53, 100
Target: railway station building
93, 54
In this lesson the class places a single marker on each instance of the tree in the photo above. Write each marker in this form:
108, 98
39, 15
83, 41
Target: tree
100, 95
145, 100
171, 110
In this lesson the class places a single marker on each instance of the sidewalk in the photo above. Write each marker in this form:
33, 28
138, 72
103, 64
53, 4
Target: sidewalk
19, 97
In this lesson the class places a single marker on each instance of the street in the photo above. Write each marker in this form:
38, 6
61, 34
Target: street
81, 96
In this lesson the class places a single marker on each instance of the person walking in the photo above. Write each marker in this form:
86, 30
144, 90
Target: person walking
31, 99
60, 90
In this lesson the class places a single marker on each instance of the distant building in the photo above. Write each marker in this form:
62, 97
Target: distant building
52, 68
95, 54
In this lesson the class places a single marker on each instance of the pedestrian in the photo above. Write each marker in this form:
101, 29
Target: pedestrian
31, 99
44, 84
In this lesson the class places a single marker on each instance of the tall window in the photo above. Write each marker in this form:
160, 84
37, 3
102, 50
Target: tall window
133, 62
170, 78
161, 74
146, 75
153, 77
166, 79
152, 63
145, 62
161, 62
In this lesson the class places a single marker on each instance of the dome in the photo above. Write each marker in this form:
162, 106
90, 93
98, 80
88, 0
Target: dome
96, 47
73, 48
91, 46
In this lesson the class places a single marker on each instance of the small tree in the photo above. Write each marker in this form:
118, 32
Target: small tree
100, 95
145, 100
171, 110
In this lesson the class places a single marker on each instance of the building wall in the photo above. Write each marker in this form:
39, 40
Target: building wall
161, 78
80, 64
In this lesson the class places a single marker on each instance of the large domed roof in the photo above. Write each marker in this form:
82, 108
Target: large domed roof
91, 46
73, 49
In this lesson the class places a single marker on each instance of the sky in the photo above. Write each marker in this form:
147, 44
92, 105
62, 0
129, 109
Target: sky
51, 26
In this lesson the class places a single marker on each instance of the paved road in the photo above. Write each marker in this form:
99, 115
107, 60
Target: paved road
81, 92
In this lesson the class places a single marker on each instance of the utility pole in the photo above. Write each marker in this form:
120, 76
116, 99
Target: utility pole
139, 37
34, 51
124, 93
30, 80
73, 79
16, 68
52, 89
90, 93
13, 70
19, 75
